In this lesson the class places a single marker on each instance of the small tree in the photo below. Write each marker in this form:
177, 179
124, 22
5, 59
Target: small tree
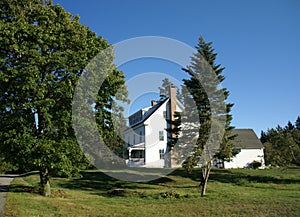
203, 60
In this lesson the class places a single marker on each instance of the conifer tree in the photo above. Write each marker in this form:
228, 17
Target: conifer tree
205, 59
297, 123
282, 145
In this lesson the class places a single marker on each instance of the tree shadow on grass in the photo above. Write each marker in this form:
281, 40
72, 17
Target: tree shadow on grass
17, 187
22, 189
235, 177
4, 188
181, 172
100, 183
97, 182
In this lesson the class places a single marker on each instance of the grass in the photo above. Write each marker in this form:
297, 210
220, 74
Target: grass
230, 193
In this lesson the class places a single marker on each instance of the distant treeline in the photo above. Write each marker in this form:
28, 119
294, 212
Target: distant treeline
282, 144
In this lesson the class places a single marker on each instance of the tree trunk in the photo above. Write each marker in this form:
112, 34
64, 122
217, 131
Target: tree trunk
45, 189
205, 175
171, 158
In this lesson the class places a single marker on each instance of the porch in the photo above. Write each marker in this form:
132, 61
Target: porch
136, 155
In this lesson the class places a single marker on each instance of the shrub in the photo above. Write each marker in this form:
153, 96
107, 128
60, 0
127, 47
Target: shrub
255, 165
170, 194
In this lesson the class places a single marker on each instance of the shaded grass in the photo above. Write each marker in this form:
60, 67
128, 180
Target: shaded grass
230, 193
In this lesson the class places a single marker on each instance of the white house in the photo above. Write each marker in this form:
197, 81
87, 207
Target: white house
249, 148
146, 137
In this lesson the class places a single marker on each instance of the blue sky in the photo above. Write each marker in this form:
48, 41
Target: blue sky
256, 41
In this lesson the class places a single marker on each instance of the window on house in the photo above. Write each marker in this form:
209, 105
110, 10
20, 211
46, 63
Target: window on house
141, 136
161, 135
137, 154
161, 153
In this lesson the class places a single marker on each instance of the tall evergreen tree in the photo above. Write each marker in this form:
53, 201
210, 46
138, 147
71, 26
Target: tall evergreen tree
164, 89
263, 137
109, 115
204, 60
297, 123
289, 126
44, 51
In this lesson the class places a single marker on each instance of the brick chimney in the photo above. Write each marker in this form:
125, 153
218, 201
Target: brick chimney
172, 97
172, 109
153, 102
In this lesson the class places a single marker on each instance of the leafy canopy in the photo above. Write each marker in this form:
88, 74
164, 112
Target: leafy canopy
44, 50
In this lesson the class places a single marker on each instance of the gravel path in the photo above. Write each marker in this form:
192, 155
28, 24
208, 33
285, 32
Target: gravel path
4, 186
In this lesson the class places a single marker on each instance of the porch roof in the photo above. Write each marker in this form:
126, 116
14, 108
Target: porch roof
140, 146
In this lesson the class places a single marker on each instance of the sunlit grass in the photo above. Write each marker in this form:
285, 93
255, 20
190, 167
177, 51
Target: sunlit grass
230, 193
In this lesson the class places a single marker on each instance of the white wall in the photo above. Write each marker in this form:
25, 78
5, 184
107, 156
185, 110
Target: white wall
154, 124
132, 136
150, 128
245, 157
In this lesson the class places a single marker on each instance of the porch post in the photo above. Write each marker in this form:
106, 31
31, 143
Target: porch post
129, 156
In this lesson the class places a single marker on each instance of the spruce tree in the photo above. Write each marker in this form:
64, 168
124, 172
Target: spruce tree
297, 123
204, 60
282, 145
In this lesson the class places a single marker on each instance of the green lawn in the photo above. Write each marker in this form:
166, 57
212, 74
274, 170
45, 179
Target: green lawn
230, 193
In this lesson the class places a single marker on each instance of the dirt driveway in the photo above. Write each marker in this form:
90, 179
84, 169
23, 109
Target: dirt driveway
4, 186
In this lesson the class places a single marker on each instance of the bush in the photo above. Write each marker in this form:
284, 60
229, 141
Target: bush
170, 194
255, 165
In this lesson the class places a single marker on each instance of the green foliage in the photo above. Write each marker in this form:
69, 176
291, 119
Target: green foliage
109, 115
209, 100
6, 167
174, 130
164, 89
297, 124
282, 145
43, 52
174, 122
203, 60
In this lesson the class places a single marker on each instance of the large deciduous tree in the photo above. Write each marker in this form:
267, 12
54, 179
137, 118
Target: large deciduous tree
43, 51
206, 92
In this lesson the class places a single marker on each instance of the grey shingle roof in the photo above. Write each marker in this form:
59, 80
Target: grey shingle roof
150, 112
247, 139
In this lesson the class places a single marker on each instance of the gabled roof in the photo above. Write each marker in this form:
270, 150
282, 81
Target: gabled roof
148, 113
246, 139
